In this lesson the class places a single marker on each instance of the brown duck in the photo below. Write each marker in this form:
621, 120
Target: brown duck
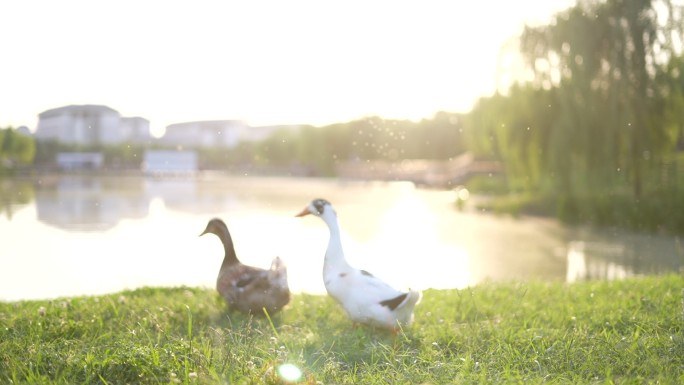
248, 289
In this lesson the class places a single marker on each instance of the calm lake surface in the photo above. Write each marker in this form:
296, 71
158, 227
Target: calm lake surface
84, 235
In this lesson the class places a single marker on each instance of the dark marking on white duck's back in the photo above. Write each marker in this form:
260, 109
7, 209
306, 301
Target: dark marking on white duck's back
364, 272
394, 302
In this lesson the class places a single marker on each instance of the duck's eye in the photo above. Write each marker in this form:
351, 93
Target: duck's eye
319, 205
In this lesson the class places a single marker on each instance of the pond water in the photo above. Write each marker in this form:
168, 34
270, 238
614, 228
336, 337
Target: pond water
86, 235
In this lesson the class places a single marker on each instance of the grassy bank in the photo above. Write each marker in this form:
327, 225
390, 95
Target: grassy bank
660, 209
659, 212
599, 332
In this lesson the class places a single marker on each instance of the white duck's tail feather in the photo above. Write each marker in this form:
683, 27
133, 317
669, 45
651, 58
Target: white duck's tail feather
404, 311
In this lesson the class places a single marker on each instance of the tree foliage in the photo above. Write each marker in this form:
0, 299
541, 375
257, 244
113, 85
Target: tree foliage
604, 59
16, 149
601, 109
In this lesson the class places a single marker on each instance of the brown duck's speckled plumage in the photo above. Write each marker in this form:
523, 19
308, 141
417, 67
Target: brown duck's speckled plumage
246, 288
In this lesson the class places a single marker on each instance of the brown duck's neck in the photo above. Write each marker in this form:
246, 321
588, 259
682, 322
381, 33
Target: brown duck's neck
230, 258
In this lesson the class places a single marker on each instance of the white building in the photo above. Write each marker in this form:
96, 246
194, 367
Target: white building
216, 133
90, 125
157, 162
255, 134
211, 133
135, 129
80, 160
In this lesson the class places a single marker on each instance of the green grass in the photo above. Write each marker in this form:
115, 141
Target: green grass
528, 333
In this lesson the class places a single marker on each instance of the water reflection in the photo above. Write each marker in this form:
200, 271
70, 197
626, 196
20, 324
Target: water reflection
410, 228
89, 204
606, 256
14, 195
580, 267
74, 235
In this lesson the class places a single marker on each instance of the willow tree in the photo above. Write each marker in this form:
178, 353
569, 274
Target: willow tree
603, 58
515, 129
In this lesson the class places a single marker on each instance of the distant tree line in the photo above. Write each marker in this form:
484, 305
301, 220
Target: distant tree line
320, 149
597, 129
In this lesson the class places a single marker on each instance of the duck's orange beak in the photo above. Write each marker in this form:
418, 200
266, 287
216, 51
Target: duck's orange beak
304, 212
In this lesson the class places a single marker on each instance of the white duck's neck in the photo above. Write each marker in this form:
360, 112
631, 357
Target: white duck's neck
334, 255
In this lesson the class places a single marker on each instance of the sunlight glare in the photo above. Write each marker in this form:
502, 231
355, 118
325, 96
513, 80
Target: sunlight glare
410, 239
289, 372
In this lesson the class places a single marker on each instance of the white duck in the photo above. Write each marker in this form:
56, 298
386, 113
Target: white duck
365, 298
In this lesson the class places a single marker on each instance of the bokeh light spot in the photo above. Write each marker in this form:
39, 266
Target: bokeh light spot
289, 372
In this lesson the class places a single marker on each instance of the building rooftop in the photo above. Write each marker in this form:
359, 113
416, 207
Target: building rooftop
76, 107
